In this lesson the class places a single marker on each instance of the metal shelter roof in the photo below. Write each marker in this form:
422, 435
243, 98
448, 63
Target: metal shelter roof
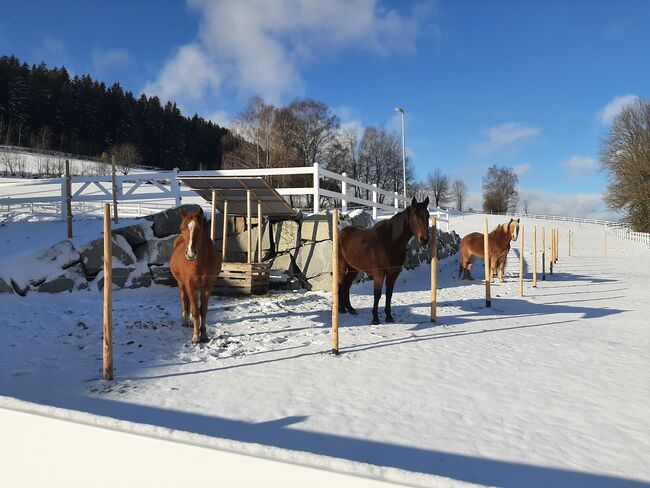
234, 189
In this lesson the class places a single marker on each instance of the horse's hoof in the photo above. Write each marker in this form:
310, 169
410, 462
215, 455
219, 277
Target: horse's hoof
205, 338
352, 311
196, 339
390, 319
342, 310
375, 322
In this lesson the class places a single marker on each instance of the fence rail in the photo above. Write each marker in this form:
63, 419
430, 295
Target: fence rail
630, 235
336, 190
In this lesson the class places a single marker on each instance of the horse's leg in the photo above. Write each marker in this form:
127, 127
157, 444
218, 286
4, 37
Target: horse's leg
349, 279
205, 298
378, 278
391, 278
194, 312
343, 267
185, 305
468, 269
502, 269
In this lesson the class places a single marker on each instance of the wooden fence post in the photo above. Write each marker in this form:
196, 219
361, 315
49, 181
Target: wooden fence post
535, 257
486, 255
213, 220
259, 231
521, 263
108, 296
543, 253
224, 238
550, 251
68, 197
335, 282
434, 269
569, 242
248, 223
114, 188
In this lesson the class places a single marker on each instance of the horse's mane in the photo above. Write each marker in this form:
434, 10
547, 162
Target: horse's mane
399, 224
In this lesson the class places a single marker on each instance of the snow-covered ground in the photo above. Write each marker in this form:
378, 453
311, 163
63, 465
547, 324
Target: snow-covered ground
552, 389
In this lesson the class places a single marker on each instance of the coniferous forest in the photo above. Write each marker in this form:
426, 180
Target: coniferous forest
45, 108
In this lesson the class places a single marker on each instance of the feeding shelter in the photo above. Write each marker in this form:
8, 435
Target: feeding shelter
235, 197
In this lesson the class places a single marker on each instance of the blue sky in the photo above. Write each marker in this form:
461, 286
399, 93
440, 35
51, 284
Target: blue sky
531, 85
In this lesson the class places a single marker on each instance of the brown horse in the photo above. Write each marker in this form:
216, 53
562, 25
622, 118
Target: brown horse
471, 247
195, 264
380, 252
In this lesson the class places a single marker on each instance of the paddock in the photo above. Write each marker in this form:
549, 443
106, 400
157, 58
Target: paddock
523, 390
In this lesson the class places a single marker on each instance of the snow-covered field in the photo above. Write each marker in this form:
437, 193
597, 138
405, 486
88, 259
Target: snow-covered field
552, 389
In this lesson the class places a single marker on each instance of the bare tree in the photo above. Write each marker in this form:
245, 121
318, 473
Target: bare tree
625, 155
500, 190
312, 129
126, 156
439, 187
459, 192
525, 204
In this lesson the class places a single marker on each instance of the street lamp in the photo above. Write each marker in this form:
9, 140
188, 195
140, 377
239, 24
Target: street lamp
401, 111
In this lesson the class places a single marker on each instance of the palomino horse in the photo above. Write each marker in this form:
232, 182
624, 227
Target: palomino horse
471, 247
195, 264
380, 252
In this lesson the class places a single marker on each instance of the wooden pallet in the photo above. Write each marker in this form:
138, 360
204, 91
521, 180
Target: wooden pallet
242, 279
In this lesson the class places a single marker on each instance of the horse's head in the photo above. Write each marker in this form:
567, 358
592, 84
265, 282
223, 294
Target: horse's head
419, 219
513, 229
191, 229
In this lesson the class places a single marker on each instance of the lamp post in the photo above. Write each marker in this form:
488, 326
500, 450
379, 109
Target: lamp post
401, 111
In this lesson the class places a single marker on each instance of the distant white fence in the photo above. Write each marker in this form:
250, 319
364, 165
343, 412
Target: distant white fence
630, 235
560, 218
342, 191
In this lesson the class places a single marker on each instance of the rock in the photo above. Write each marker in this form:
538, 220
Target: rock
135, 235
73, 278
162, 275
237, 245
92, 255
316, 227
5, 287
286, 235
21, 290
282, 262
169, 222
321, 282
360, 218
139, 277
119, 278
156, 251
314, 258
63, 254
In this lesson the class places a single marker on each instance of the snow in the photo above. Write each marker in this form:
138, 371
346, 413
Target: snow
547, 390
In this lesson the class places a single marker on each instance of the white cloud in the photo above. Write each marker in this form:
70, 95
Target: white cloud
104, 62
579, 166
505, 135
220, 117
188, 74
587, 205
522, 169
614, 107
258, 46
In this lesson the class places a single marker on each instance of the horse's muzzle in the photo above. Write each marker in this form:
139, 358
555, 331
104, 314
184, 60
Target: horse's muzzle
191, 257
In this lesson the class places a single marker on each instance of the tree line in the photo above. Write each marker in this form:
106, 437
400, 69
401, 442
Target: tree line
44, 108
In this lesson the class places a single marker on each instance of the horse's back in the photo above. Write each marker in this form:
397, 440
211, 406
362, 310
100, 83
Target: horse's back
472, 244
366, 249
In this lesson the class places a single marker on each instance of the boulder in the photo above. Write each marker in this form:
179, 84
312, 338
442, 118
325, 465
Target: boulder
360, 218
73, 278
314, 259
286, 235
156, 251
316, 227
92, 255
21, 290
162, 275
63, 255
135, 235
169, 222
5, 287
119, 278
321, 282
283, 262
237, 245
139, 277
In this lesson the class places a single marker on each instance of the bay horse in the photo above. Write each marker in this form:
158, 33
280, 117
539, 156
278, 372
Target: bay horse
472, 247
380, 252
195, 264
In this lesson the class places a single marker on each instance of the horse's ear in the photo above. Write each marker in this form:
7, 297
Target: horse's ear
183, 214
517, 220
425, 203
414, 202
200, 212
511, 220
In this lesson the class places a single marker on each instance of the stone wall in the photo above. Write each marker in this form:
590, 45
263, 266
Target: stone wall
299, 250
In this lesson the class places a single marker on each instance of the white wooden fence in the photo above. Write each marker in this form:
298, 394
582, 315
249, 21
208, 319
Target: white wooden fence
338, 189
630, 235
